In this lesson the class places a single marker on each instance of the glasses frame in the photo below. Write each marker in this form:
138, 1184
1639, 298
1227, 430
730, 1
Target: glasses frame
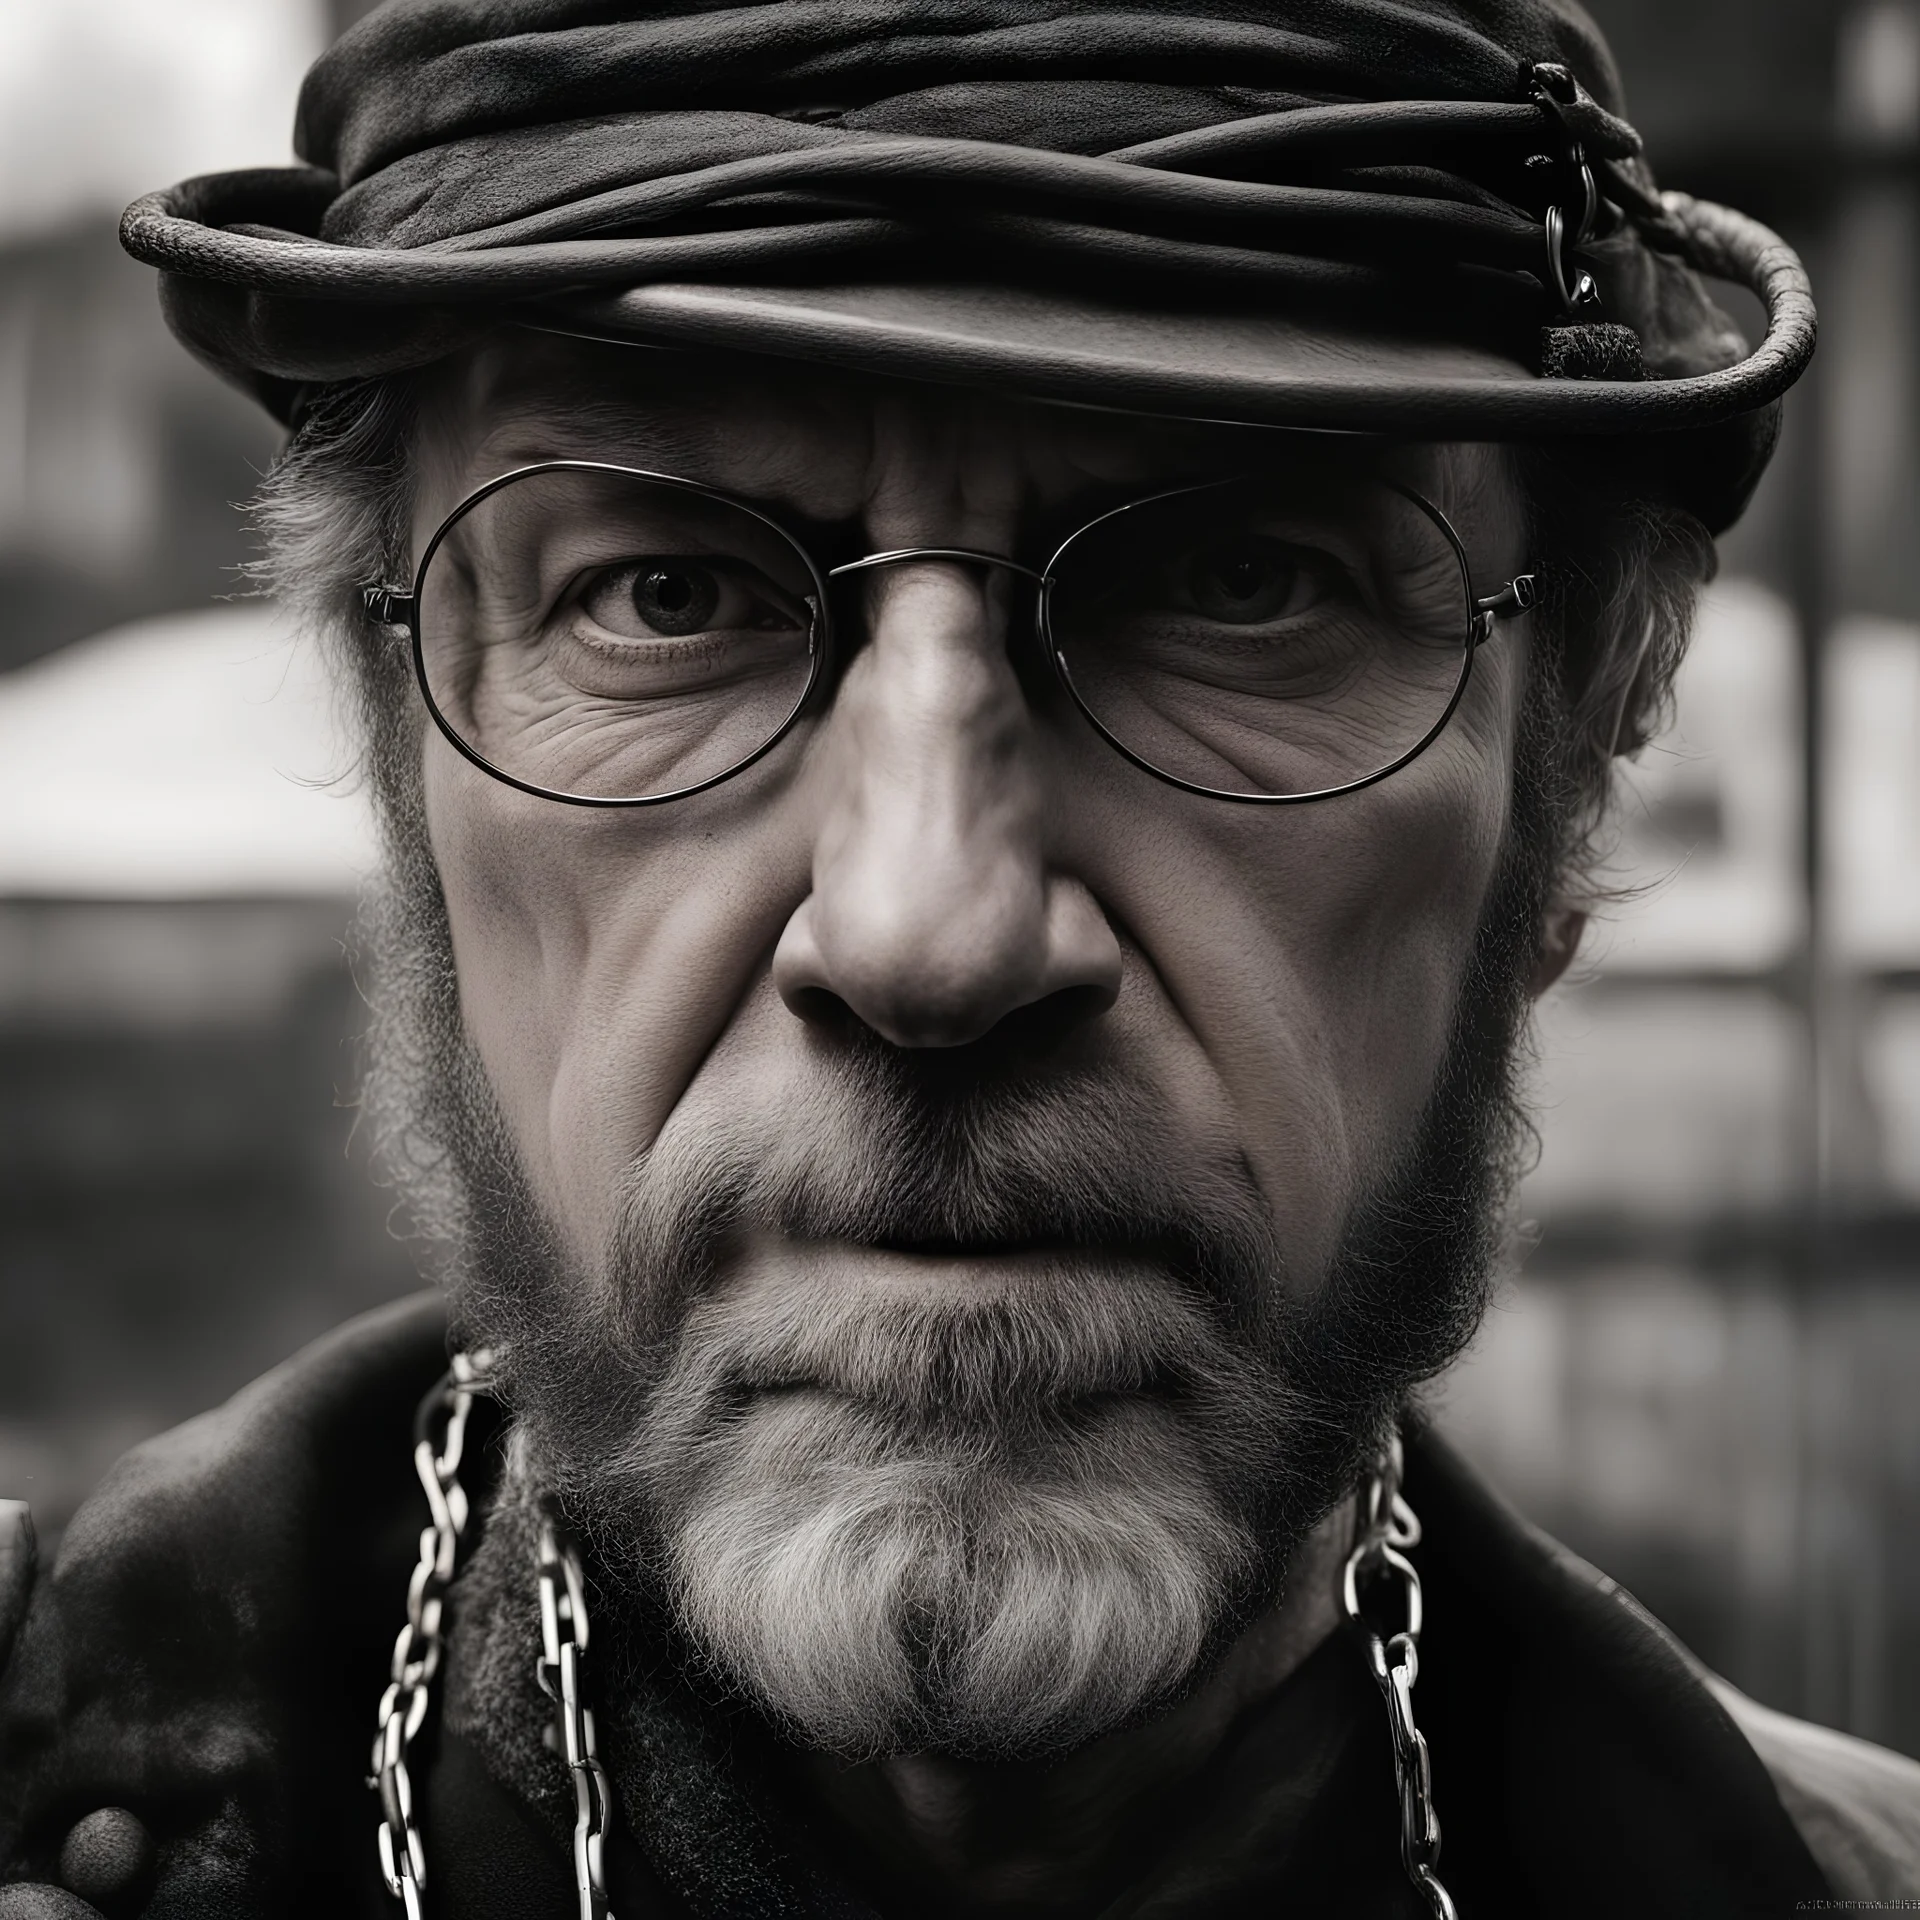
400, 607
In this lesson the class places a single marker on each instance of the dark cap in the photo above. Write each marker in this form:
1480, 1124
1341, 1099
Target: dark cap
1416, 217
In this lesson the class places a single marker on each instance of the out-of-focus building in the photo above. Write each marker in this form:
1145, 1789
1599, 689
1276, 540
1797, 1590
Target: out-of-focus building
119, 458
1700, 1374
1704, 1378
178, 1205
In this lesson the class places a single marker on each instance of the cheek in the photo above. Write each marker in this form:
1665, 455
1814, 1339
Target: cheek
1409, 867
1314, 954
599, 954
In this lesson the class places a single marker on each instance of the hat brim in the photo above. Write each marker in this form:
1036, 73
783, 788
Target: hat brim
1241, 366
1046, 344
283, 314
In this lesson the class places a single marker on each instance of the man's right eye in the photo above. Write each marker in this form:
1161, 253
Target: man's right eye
673, 599
653, 599
676, 599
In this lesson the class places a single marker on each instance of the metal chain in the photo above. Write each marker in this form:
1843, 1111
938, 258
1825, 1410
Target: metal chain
1387, 1531
439, 1442
1554, 88
564, 1634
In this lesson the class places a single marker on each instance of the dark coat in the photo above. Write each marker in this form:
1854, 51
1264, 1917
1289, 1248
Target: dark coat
210, 1646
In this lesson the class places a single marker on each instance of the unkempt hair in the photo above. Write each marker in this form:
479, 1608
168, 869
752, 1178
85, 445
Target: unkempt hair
1620, 572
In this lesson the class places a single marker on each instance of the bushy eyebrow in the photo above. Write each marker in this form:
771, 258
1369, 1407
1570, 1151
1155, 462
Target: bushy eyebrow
623, 429
694, 428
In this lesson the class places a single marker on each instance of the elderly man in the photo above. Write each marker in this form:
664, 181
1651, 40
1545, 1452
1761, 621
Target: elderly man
988, 638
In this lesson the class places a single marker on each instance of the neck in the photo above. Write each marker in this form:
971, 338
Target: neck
1051, 1837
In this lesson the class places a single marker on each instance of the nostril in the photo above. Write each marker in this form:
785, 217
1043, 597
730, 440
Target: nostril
821, 1007
1044, 1025
1029, 1039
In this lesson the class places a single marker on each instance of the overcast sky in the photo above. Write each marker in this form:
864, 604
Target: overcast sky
101, 100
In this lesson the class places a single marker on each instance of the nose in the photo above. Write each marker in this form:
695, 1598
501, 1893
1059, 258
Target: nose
935, 910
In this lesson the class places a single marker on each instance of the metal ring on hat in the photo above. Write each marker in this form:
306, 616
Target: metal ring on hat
1582, 294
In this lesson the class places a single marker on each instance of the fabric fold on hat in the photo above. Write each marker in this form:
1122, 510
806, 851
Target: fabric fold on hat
1367, 166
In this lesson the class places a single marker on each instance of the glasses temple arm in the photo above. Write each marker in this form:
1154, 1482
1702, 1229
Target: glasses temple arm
388, 606
1518, 596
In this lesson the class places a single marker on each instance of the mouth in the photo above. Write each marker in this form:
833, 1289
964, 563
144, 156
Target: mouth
940, 1327
954, 1247
762, 1258
1166, 1252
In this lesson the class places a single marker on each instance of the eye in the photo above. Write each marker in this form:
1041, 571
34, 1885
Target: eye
675, 598
1251, 580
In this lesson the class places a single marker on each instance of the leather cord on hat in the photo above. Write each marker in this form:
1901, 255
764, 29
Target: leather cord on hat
880, 190
1145, 209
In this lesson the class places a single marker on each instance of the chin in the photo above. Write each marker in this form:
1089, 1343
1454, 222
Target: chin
881, 1585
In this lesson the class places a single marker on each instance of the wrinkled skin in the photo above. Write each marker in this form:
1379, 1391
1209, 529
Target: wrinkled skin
932, 855
939, 851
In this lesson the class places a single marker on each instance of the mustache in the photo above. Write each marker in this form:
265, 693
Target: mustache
881, 1148
1062, 1341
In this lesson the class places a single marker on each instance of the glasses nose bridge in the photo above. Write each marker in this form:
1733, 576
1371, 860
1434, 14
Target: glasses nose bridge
960, 556
966, 556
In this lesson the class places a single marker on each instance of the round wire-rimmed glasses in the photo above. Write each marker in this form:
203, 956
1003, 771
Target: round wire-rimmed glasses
606, 636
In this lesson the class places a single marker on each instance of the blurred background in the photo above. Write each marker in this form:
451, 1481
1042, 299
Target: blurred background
1703, 1376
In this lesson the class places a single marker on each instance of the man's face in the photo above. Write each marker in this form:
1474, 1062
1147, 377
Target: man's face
944, 1128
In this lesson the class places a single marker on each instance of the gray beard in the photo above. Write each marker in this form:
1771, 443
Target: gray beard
996, 1524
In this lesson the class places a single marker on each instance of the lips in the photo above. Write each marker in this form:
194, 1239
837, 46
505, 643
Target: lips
1160, 1252
946, 1247
954, 1334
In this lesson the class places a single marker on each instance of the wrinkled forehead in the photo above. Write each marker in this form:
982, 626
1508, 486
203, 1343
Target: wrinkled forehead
839, 449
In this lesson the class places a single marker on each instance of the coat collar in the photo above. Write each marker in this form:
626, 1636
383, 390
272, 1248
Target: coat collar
208, 1649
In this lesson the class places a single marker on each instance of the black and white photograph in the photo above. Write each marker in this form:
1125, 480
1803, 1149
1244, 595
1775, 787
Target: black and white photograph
959, 959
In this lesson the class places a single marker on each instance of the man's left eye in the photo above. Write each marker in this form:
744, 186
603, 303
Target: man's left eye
1251, 581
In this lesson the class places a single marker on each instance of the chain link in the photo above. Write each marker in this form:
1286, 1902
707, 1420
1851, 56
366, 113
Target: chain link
439, 1441
1387, 1532
564, 1635
1554, 89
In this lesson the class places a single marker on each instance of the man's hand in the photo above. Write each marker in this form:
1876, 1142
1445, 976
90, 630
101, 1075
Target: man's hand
29, 1902
19, 1553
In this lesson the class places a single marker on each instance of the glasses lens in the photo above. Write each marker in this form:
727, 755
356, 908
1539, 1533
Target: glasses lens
1265, 639
599, 634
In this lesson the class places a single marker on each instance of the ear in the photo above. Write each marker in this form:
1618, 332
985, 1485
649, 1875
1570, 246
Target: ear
1560, 935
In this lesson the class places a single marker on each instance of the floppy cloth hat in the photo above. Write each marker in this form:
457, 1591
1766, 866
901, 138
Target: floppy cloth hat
1419, 217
